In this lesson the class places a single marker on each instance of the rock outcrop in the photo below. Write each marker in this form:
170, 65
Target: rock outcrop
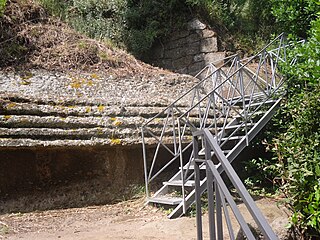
55, 109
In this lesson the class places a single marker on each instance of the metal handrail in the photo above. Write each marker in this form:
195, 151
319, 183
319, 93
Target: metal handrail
217, 199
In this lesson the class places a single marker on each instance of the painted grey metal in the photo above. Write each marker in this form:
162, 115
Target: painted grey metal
216, 231
234, 101
197, 191
237, 183
211, 204
232, 204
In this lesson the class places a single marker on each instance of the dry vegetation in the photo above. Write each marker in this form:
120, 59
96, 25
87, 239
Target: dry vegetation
30, 38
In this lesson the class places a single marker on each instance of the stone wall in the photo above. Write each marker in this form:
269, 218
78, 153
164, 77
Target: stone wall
187, 51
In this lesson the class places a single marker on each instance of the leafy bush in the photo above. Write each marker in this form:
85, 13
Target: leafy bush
244, 24
56, 7
136, 24
294, 138
151, 20
298, 148
2, 6
294, 16
237, 15
100, 19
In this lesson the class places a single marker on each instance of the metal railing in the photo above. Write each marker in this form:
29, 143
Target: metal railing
220, 200
238, 89
164, 128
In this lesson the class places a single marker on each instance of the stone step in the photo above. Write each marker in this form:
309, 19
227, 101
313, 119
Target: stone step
57, 133
32, 108
69, 122
94, 142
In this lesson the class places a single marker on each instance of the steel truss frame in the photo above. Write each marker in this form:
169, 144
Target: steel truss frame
227, 99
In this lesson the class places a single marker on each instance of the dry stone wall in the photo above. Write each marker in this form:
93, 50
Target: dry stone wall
187, 51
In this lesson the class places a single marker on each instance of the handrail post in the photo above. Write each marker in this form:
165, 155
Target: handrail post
197, 188
237, 183
145, 163
181, 167
211, 204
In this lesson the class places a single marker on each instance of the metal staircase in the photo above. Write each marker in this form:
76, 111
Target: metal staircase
233, 101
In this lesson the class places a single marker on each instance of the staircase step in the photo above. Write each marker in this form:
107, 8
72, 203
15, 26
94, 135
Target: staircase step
189, 183
260, 103
168, 200
191, 167
232, 138
202, 153
249, 124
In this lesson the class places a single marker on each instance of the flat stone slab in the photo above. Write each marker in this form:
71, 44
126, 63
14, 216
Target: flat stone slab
42, 108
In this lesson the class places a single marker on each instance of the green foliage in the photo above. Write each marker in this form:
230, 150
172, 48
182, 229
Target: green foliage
294, 138
249, 22
2, 6
305, 73
266, 173
295, 16
99, 19
150, 20
238, 15
137, 24
55, 7
298, 155
298, 148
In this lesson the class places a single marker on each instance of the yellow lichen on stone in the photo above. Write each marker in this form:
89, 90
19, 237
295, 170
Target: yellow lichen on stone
100, 108
11, 105
94, 76
76, 82
115, 141
88, 109
25, 82
89, 83
117, 123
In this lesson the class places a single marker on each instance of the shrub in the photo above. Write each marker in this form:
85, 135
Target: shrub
56, 7
298, 148
295, 16
248, 23
2, 6
100, 19
151, 20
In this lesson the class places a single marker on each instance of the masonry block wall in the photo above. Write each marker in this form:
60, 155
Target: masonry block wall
187, 51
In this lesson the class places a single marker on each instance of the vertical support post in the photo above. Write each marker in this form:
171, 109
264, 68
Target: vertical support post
174, 131
181, 167
219, 211
145, 163
211, 205
245, 112
197, 188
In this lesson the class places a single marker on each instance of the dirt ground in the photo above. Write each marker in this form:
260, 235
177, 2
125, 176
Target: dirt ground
125, 220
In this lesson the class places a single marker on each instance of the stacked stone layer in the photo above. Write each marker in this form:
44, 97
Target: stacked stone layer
55, 109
